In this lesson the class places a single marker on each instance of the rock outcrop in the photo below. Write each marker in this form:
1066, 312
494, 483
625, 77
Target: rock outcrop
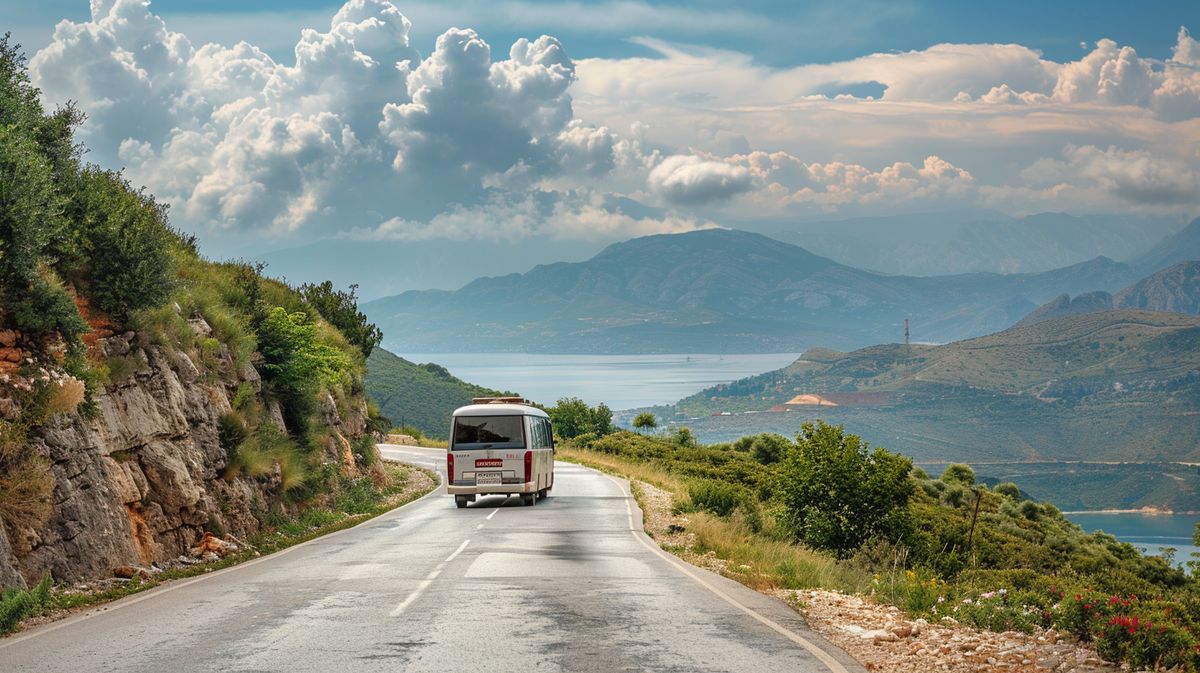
140, 481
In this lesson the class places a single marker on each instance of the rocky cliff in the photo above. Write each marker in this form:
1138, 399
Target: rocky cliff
139, 480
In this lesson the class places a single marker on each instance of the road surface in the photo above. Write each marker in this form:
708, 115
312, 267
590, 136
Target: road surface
569, 584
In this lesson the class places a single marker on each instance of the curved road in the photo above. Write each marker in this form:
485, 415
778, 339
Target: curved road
570, 584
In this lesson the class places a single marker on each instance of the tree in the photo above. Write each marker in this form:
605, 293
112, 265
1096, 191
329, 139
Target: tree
958, 473
341, 310
684, 436
767, 448
645, 421
838, 493
572, 417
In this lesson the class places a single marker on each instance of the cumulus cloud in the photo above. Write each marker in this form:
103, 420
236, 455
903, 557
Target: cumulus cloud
360, 130
362, 135
689, 179
1108, 177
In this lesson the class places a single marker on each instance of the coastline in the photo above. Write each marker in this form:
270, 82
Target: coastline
1145, 511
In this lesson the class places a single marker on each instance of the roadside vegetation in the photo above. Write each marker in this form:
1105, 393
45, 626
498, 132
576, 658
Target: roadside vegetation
826, 510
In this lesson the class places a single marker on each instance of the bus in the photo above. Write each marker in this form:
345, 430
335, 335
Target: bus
500, 446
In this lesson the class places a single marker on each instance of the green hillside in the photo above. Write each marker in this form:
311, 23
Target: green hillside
420, 395
1113, 386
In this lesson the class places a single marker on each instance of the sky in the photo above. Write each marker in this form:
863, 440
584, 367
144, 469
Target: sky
546, 126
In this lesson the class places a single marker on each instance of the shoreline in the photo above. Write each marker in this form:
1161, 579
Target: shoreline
1143, 511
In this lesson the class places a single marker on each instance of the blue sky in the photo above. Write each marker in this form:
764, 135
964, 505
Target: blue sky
800, 32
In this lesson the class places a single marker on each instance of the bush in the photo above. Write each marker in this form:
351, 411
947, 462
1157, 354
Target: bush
645, 421
17, 604
914, 591
717, 497
837, 493
958, 473
120, 244
298, 363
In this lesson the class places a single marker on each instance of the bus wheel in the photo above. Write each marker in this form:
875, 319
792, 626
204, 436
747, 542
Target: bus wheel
528, 499
543, 493
460, 501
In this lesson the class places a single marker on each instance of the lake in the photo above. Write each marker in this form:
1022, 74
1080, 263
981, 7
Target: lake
1151, 532
620, 381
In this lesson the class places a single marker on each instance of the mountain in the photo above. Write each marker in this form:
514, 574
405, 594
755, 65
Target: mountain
384, 268
1182, 246
971, 241
421, 395
1064, 305
1175, 289
1110, 386
716, 290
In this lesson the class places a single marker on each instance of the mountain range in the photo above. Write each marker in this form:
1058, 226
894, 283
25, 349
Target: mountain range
718, 290
1108, 386
1175, 289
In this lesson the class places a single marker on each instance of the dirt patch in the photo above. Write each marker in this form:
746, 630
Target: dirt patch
883, 639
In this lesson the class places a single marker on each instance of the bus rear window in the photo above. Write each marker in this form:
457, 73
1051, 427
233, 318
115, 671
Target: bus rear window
494, 430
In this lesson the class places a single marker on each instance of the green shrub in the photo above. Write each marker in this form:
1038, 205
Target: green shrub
1008, 490
120, 244
297, 362
358, 496
958, 473
17, 604
916, 592
838, 494
717, 497
365, 452
341, 310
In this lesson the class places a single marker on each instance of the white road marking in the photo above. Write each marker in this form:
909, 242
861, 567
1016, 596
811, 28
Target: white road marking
832, 664
479, 526
433, 575
175, 585
489, 517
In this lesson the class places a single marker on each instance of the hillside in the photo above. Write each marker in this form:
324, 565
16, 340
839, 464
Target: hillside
712, 291
147, 395
1174, 289
1111, 386
1182, 246
421, 395
930, 244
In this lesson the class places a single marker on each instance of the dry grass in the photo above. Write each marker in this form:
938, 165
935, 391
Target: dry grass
728, 546
634, 471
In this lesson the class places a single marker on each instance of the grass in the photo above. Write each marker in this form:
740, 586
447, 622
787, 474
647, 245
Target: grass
748, 556
283, 533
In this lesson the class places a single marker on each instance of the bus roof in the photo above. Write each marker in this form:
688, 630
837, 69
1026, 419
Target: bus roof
499, 410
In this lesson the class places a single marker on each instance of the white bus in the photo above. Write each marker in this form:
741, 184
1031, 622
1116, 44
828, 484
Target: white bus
500, 445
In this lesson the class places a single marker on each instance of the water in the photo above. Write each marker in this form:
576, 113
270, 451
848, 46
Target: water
620, 381
1150, 532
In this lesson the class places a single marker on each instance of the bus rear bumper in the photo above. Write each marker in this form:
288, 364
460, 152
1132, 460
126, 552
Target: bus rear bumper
492, 489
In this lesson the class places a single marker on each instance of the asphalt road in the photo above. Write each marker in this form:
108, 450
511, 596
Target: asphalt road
569, 584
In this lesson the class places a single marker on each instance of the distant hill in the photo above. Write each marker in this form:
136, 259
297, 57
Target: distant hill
1180, 247
421, 395
971, 241
1175, 289
1116, 385
714, 291
1064, 305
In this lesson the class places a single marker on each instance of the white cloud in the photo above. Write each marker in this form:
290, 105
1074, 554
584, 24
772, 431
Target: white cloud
361, 133
1111, 178
689, 179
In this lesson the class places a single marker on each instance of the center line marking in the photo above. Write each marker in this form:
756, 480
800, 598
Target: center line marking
428, 580
489, 517
479, 526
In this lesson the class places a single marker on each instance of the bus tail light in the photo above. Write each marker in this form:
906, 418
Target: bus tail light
450, 466
528, 466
